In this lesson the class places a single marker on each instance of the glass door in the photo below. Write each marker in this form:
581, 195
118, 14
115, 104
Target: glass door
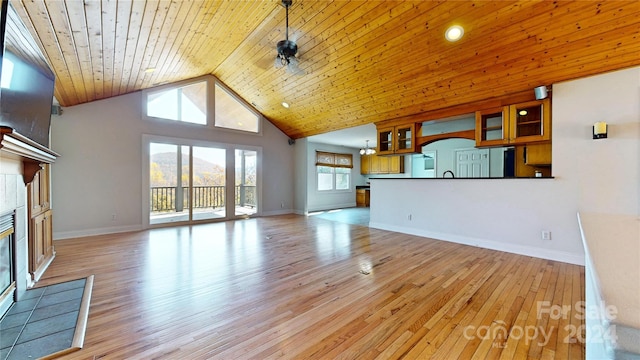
195, 181
168, 183
186, 183
246, 182
209, 179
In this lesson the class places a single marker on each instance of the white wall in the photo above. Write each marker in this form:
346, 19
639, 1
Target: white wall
509, 214
99, 172
301, 179
604, 173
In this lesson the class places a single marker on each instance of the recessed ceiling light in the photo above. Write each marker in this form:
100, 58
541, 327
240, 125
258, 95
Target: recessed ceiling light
149, 70
454, 33
523, 112
285, 104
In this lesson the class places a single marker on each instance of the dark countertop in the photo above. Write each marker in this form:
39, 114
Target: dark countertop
366, 187
462, 178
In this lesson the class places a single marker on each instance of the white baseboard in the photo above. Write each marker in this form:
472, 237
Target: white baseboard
92, 232
277, 212
548, 254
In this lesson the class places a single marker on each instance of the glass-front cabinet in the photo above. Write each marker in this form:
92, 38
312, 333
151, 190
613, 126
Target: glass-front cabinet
530, 121
491, 127
396, 139
385, 141
514, 124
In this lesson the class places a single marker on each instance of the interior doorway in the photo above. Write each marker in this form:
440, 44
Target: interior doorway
472, 163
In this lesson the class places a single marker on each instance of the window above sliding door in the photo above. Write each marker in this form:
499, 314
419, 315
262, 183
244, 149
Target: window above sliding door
204, 101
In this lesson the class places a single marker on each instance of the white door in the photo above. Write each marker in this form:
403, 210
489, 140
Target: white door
472, 163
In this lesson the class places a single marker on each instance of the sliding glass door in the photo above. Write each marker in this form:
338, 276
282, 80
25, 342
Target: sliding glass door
209, 178
168, 179
190, 183
246, 182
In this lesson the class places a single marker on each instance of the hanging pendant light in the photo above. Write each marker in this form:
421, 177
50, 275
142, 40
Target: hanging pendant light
367, 150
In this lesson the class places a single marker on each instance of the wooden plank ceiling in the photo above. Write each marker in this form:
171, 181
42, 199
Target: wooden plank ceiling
364, 61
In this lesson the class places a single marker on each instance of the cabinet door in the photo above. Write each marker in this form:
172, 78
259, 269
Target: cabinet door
35, 195
365, 164
360, 200
492, 127
383, 163
530, 121
537, 154
37, 242
374, 164
385, 140
404, 138
44, 187
39, 192
41, 250
396, 165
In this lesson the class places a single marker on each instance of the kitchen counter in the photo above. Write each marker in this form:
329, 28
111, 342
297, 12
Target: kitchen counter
462, 178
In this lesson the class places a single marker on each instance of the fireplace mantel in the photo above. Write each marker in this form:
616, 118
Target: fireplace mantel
32, 154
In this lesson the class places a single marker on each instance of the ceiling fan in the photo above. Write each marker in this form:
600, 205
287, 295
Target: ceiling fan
287, 49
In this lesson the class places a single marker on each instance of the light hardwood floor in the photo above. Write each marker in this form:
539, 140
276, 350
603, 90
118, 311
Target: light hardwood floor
307, 288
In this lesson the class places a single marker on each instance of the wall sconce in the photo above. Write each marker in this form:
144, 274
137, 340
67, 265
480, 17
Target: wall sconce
600, 130
541, 92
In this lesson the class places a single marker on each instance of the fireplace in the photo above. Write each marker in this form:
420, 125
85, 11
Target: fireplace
20, 160
7, 271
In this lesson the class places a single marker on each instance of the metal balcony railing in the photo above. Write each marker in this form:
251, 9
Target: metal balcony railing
164, 199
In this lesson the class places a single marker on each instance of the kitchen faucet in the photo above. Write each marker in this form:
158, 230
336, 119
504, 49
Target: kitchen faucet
448, 171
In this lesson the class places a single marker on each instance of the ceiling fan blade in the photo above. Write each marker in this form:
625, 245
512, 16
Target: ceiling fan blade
277, 63
293, 66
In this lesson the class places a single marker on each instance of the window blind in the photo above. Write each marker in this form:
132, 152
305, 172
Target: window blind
330, 159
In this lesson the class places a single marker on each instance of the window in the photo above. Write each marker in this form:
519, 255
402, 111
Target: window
186, 103
203, 101
233, 114
7, 73
333, 170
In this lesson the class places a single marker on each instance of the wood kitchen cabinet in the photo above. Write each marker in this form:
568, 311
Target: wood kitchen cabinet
41, 250
531, 158
492, 128
537, 154
373, 164
362, 197
396, 139
514, 124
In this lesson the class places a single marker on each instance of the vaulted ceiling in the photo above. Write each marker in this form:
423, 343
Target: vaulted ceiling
364, 61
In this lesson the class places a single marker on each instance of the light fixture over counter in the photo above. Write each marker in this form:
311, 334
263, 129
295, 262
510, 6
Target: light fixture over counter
367, 150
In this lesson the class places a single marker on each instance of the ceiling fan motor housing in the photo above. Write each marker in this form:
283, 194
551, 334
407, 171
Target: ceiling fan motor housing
287, 48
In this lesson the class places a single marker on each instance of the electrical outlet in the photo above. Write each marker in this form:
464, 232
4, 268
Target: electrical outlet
282, 205
546, 235
113, 217
410, 217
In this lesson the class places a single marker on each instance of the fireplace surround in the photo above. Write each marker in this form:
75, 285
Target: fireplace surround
20, 160
7, 270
